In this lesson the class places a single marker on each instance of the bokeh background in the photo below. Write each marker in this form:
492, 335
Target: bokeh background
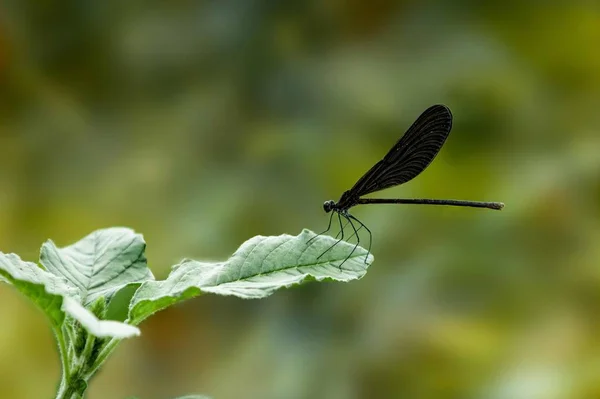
203, 123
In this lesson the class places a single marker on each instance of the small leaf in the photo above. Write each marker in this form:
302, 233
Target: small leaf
100, 264
44, 289
258, 268
96, 327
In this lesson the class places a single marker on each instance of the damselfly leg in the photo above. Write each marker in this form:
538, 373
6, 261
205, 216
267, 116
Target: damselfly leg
349, 217
370, 235
323, 232
338, 241
340, 232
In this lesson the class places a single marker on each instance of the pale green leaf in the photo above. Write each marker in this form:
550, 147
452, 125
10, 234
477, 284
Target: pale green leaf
258, 268
101, 263
44, 289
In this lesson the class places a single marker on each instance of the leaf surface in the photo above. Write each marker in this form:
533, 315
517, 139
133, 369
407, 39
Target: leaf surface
100, 264
43, 288
257, 269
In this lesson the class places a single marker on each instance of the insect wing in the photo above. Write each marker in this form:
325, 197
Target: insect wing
411, 154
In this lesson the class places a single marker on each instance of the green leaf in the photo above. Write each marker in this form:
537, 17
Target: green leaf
258, 268
44, 289
100, 264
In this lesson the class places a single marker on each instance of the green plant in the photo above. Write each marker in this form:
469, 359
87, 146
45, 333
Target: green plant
76, 287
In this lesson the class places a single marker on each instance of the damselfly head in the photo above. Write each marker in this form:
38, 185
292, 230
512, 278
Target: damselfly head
328, 206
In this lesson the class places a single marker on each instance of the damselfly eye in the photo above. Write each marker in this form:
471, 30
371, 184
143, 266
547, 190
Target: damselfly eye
328, 206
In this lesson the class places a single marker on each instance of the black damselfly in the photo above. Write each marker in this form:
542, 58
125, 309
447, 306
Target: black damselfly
406, 160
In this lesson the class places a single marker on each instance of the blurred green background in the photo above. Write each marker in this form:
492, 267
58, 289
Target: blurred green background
203, 123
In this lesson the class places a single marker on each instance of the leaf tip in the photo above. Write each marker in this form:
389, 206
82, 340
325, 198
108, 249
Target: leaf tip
95, 326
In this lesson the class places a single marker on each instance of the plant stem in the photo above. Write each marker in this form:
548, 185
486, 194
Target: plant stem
66, 392
65, 365
102, 356
72, 384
